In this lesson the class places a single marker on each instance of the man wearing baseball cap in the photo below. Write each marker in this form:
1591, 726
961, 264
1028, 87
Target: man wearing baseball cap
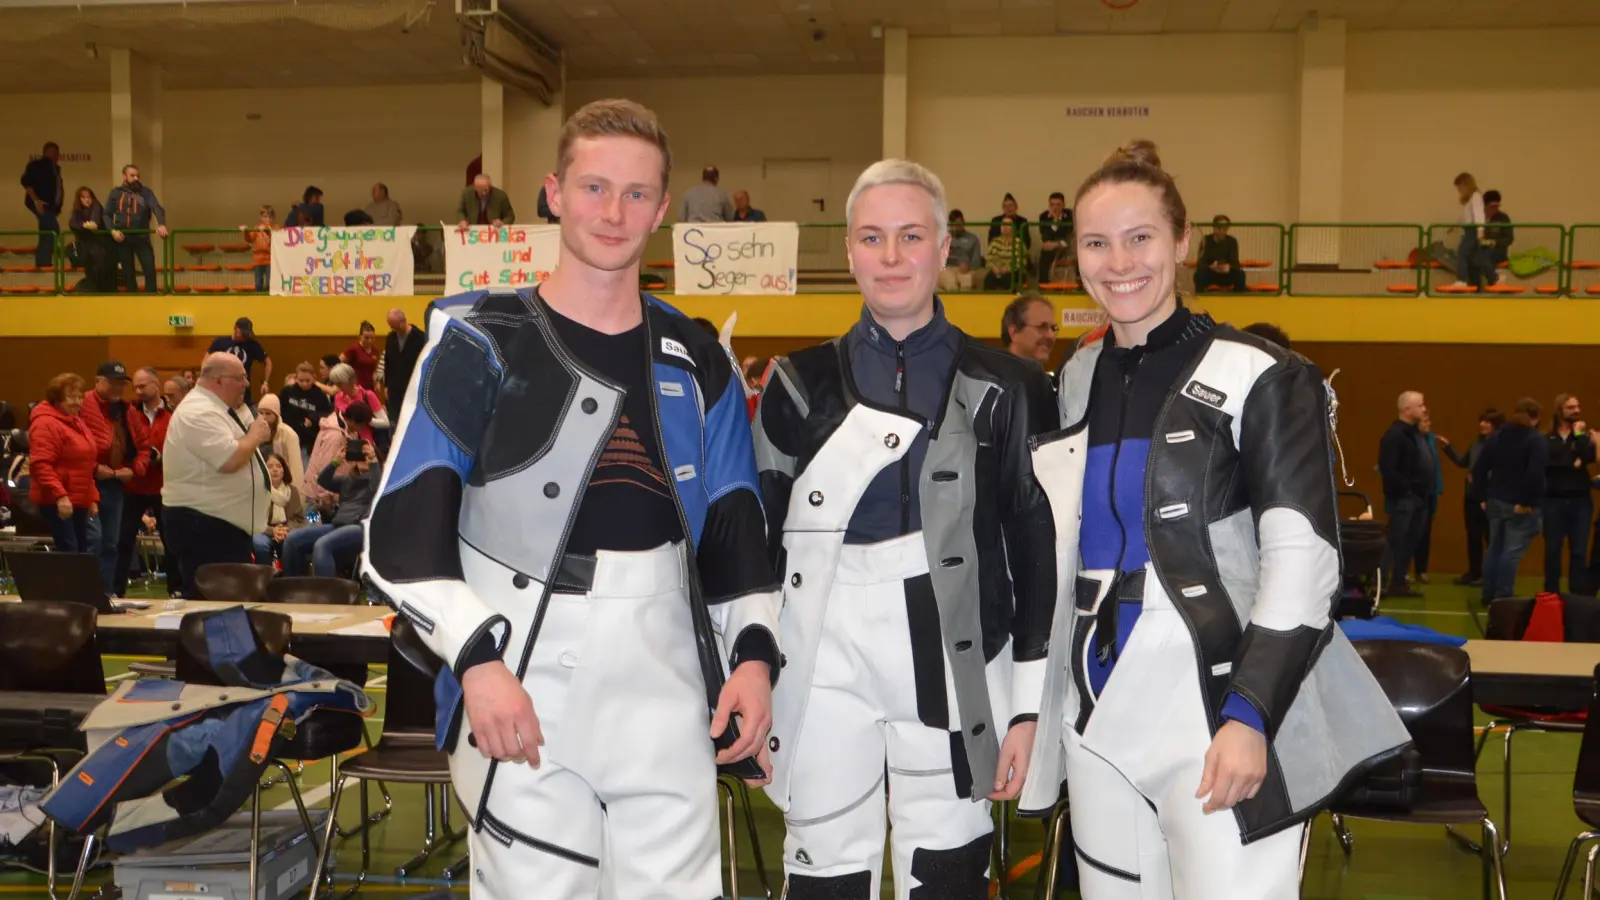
243, 346
106, 413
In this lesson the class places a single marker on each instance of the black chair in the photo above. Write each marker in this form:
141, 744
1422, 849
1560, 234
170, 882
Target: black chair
312, 589
233, 582
64, 577
322, 735
49, 648
404, 754
1508, 620
1586, 800
1430, 686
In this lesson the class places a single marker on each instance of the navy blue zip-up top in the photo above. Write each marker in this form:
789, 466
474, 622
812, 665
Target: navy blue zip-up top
1130, 387
910, 376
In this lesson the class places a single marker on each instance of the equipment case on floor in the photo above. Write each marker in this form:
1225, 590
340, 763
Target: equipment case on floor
216, 865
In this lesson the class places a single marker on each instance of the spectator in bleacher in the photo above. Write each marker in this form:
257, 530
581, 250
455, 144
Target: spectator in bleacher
105, 411
964, 262
363, 355
44, 194
425, 253
485, 204
356, 218
1008, 213
743, 211
1406, 466
334, 435
130, 207
242, 345
260, 240
216, 490
1218, 263
1028, 328
285, 441
334, 546
1477, 519
401, 349
309, 212
1498, 239
286, 514
1511, 470
1568, 507
383, 210
62, 464
1472, 256
706, 202
1271, 332
1005, 251
148, 419
325, 372
1055, 236
92, 243
192, 376
351, 393
175, 389
304, 405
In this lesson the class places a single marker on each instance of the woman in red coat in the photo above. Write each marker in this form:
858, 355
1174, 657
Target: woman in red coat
62, 461
363, 356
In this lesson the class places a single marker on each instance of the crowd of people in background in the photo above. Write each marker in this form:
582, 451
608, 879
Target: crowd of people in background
219, 472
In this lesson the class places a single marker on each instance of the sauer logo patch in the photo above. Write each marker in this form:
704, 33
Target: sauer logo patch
1210, 396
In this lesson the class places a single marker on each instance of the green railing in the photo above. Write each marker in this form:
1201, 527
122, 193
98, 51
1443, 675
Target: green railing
1303, 259
1518, 258
1353, 259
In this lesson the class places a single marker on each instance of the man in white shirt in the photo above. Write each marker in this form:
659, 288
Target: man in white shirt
216, 493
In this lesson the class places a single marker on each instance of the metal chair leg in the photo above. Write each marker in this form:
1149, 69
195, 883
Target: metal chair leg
1494, 874
1505, 845
83, 867
1305, 849
731, 835
375, 818
255, 837
1347, 841
457, 868
323, 867
755, 840
430, 839
1000, 851
1572, 859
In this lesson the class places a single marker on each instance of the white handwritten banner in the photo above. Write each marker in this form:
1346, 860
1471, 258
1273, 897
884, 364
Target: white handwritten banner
343, 262
483, 256
735, 257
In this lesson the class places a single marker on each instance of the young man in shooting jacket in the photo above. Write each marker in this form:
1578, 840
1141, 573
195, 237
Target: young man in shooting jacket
571, 519
917, 558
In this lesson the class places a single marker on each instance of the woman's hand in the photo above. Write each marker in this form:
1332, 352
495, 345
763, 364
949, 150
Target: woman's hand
64, 507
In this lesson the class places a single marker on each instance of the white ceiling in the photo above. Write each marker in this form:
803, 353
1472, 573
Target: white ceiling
361, 42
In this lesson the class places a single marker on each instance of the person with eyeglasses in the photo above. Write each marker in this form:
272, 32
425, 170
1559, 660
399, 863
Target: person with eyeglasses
1028, 328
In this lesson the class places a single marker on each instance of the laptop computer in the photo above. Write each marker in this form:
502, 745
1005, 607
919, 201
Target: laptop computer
63, 577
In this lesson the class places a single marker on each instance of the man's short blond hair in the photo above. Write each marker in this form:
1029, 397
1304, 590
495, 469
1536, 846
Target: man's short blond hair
613, 118
900, 171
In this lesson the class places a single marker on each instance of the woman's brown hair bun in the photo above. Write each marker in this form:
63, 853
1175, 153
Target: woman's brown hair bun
1141, 152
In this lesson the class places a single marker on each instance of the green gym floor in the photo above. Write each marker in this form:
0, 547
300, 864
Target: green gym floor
1390, 862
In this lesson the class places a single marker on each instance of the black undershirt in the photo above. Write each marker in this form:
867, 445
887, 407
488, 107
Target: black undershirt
628, 503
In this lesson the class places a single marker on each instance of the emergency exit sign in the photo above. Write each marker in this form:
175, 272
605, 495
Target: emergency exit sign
180, 321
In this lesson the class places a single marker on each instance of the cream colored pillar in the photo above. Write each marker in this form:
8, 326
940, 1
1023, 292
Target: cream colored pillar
1319, 171
136, 124
493, 103
532, 129
895, 56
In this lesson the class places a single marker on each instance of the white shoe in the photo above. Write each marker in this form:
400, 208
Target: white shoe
1459, 284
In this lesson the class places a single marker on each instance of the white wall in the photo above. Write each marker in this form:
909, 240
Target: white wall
1517, 109
990, 116
80, 123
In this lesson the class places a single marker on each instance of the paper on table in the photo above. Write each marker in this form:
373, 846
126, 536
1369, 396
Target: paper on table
168, 621
373, 628
305, 618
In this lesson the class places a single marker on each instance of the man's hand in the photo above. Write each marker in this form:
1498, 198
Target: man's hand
161, 231
462, 225
64, 507
496, 223
124, 474
1015, 752
1522, 510
747, 694
1236, 765
1443, 441
260, 431
117, 235
102, 473
504, 726
91, 224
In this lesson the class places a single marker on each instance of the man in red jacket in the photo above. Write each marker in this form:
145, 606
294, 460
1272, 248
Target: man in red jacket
147, 423
106, 414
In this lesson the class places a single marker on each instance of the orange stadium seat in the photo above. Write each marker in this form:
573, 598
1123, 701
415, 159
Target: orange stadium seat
1402, 289
234, 248
1576, 264
1456, 289
1059, 286
1506, 289
1548, 289
211, 289
208, 267
23, 251
1593, 289
20, 289
235, 267
1393, 264
1264, 288
243, 288
1255, 263
181, 289
17, 270
199, 248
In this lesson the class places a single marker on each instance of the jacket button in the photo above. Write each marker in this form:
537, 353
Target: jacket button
977, 729
552, 490
520, 581
795, 579
588, 405
815, 498
891, 441
772, 744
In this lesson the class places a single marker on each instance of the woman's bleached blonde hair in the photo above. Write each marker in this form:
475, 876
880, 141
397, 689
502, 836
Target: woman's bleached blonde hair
900, 171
